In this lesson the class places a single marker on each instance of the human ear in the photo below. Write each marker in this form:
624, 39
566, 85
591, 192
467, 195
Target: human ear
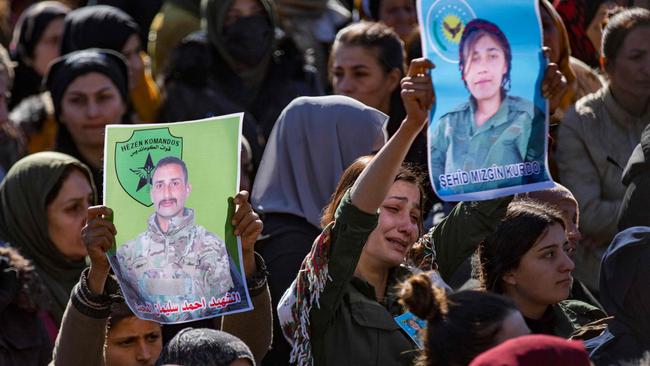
188, 188
509, 278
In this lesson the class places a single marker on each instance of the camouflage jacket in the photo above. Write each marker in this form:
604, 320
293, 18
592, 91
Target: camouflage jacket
183, 264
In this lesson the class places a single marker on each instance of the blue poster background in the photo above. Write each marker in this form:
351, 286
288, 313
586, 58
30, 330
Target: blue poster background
441, 24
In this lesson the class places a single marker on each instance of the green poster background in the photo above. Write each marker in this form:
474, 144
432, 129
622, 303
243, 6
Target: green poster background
210, 149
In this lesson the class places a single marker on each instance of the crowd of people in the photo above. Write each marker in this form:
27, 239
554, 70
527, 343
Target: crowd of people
341, 232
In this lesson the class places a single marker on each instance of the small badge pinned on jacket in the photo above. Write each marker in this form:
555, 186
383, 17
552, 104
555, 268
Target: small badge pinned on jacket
413, 326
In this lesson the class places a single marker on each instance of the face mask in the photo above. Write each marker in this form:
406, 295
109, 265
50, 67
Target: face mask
248, 39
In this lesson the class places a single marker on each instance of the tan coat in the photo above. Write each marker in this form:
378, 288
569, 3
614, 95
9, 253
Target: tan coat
595, 141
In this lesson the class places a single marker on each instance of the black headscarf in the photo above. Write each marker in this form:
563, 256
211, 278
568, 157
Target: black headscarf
98, 26
624, 278
204, 347
28, 32
67, 68
213, 18
64, 71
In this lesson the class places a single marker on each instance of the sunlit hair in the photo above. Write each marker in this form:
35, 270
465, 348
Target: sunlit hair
460, 326
524, 224
473, 32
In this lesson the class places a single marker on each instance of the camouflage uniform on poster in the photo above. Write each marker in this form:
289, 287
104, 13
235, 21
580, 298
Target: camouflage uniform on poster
185, 263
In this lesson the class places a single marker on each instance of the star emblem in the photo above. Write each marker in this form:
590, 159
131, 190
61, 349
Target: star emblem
144, 173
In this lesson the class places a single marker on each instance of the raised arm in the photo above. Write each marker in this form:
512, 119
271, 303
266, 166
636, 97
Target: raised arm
373, 184
83, 328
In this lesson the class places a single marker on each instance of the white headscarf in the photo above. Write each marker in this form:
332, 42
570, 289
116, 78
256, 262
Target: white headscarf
313, 141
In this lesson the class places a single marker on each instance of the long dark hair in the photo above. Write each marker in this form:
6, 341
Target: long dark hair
525, 222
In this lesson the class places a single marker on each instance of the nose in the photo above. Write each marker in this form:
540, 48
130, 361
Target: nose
144, 354
345, 85
92, 109
406, 227
566, 264
168, 191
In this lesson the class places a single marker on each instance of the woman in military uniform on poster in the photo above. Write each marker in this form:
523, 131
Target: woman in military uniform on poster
492, 128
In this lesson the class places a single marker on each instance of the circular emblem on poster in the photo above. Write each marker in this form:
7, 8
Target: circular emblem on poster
446, 21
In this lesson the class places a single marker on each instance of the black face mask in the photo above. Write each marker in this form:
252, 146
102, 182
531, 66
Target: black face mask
248, 39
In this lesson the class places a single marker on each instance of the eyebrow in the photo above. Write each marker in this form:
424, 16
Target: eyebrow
552, 246
404, 199
79, 92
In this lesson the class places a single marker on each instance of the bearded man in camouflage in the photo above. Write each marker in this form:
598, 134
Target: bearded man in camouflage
175, 259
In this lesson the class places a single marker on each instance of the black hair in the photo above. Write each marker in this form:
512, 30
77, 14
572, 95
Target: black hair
167, 160
525, 222
460, 326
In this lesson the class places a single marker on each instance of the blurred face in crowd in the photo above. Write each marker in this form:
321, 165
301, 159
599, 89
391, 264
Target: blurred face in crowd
243, 8
485, 67
89, 103
543, 276
357, 73
398, 227
48, 46
131, 52
169, 191
629, 72
400, 15
133, 342
67, 213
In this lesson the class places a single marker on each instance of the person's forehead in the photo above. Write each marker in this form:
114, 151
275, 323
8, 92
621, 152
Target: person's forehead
171, 170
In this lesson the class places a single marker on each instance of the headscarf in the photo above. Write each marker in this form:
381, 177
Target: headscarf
624, 291
204, 347
213, 14
64, 71
23, 221
569, 97
28, 32
98, 26
313, 141
534, 350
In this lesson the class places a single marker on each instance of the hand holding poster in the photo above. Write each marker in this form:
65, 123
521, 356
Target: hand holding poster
487, 134
176, 257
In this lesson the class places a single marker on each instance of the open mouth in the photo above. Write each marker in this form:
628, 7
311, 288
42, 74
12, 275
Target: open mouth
399, 244
167, 203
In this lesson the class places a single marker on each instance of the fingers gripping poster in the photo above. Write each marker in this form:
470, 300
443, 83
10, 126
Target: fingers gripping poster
176, 257
487, 132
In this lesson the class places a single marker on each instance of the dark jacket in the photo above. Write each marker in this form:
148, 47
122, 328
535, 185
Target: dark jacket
351, 327
636, 177
624, 293
199, 84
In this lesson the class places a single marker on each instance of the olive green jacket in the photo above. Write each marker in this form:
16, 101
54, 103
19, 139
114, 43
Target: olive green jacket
351, 327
